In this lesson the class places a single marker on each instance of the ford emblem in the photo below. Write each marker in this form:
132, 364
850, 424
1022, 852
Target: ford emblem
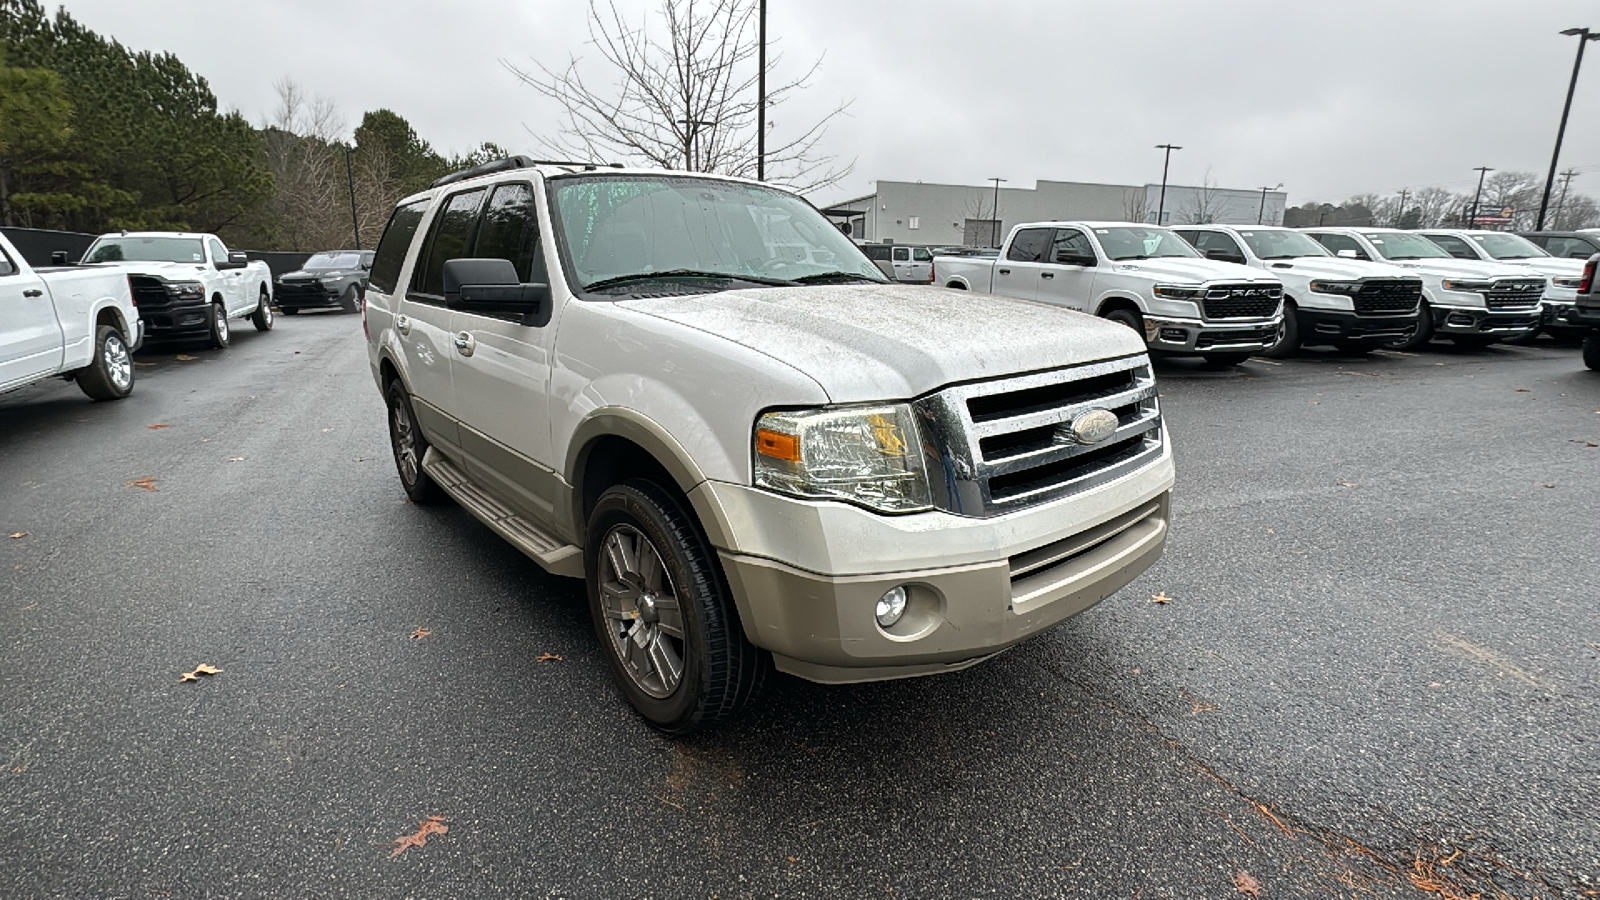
1090, 427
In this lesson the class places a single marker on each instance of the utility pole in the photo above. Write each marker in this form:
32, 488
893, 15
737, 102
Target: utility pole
1584, 37
1482, 171
1262, 212
1404, 192
1161, 205
761, 98
994, 226
1561, 205
692, 131
350, 179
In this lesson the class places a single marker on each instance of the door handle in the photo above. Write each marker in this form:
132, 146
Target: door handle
465, 343
402, 324
1005, 271
1047, 274
33, 292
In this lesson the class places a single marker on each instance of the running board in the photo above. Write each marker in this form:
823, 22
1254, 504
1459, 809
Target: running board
544, 548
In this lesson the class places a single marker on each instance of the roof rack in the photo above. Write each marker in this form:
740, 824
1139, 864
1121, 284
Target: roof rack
513, 162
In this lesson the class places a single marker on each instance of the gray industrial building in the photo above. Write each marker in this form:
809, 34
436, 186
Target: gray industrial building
938, 215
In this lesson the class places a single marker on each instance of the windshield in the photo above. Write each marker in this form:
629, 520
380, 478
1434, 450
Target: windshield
1274, 244
1508, 246
618, 226
146, 249
333, 261
1142, 243
1400, 245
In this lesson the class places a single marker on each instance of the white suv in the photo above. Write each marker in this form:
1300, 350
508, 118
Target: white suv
751, 456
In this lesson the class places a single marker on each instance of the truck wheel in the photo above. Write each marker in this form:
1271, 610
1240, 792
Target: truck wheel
409, 448
110, 375
350, 300
1227, 359
219, 326
1288, 336
262, 317
1127, 317
1591, 350
1422, 335
663, 613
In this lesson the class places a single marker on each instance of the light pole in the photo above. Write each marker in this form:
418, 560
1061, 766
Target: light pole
994, 228
1161, 205
350, 179
1584, 37
1482, 171
692, 132
1404, 192
1262, 212
761, 98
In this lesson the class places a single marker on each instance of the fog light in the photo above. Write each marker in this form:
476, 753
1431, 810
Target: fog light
1175, 335
891, 606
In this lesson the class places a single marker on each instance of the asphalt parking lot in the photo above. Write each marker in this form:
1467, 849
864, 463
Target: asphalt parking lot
1377, 672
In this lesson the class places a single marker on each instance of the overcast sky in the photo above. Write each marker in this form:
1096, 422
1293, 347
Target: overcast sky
1332, 98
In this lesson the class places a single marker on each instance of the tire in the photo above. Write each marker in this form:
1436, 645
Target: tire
221, 335
1227, 359
1288, 342
1591, 351
1422, 335
110, 375
1128, 317
262, 317
350, 300
956, 287
290, 310
636, 604
409, 446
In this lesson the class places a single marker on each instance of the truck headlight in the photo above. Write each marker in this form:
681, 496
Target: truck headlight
1178, 292
1336, 287
186, 290
867, 455
1467, 285
1574, 282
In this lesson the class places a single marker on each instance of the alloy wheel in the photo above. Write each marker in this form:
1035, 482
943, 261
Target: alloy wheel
119, 366
643, 617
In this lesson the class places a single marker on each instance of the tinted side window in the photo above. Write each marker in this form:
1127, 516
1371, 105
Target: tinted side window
1070, 243
876, 252
1452, 245
449, 238
1215, 240
392, 247
921, 255
1029, 245
510, 230
1566, 247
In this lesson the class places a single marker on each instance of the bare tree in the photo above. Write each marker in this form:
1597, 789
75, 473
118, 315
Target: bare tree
298, 150
1205, 202
1580, 211
981, 228
1135, 205
679, 91
1519, 192
1435, 205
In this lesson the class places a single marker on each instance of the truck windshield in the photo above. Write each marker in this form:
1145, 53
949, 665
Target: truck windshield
1400, 245
613, 228
1274, 244
1142, 243
333, 261
146, 249
1508, 246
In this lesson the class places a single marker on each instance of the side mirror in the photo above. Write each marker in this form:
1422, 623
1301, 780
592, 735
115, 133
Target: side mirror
492, 286
236, 260
1347, 254
1220, 255
1577, 254
58, 258
1067, 258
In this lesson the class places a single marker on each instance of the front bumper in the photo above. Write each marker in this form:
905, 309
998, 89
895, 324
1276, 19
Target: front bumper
289, 295
1179, 335
975, 586
1477, 320
1318, 325
176, 320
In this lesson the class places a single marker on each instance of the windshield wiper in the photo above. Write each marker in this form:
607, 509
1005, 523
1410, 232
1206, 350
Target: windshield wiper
821, 277
1121, 258
604, 283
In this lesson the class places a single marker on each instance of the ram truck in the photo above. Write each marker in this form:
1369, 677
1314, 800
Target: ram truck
78, 324
1142, 276
1511, 249
1353, 305
753, 457
188, 286
1472, 303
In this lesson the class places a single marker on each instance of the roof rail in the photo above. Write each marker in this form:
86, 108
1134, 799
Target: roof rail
512, 162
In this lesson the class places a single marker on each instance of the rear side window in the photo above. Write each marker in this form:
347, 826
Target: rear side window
877, 252
451, 235
901, 254
921, 255
510, 230
391, 252
1566, 247
1029, 245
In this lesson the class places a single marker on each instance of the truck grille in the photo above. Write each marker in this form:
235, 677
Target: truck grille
1381, 297
1000, 446
1519, 293
1241, 301
148, 293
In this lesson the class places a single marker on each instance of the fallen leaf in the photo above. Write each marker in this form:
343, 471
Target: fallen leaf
420, 633
1523, 391
18, 534
1583, 442
184, 357
547, 657
792, 860
199, 670
1200, 706
147, 482
158, 426
1345, 483
1160, 598
430, 825
235, 459
1246, 884
1547, 485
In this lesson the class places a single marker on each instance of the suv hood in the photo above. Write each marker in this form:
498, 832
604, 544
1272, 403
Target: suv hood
1335, 268
1461, 268
1186, 270
867, 343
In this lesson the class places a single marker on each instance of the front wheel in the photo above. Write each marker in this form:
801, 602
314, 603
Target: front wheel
350, 300
219, 326
1288, 336
409, 448
1227, 359
262, 317
663, 612
1591, 350
1422, 335
1124, 316
110, 375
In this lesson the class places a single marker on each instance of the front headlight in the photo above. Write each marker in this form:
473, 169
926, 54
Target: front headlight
1470, 286
868, 455
186, 290
1178, 292
1574, 282
1336, 287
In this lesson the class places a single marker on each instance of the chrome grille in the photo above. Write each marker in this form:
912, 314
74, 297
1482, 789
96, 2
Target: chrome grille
1241, 301
1379, 296
999, 446
1515, 293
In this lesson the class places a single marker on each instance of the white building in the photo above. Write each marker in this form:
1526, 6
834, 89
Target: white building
938, 215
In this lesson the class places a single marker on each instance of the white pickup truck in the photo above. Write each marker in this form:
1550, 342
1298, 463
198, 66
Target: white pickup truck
1472, 303
1143, 276
187, 285
1511, 249
1351, 304
79, 324
753, 456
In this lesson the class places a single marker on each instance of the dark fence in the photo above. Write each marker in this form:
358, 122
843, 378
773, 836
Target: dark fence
36, 245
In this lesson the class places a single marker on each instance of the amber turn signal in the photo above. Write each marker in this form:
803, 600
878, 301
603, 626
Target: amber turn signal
777, 445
